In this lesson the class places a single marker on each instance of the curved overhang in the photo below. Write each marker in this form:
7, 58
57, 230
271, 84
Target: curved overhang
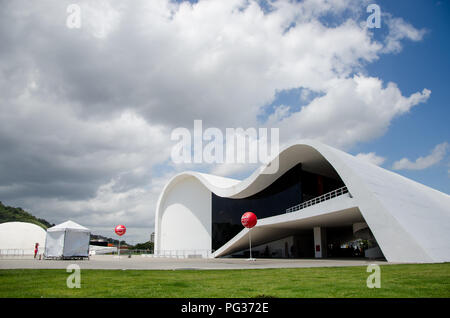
305, 153
394, 207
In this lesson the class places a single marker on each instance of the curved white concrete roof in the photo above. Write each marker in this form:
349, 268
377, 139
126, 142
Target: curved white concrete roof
21, 236
410, 221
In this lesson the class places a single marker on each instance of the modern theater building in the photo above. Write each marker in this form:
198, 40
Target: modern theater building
319, 200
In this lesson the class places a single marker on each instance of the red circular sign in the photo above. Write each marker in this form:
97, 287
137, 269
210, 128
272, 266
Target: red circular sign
249, 219
120, 230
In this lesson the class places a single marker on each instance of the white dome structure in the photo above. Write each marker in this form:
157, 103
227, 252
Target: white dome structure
333, 195
21, 237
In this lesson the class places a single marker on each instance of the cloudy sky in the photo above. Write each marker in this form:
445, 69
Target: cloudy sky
87, 113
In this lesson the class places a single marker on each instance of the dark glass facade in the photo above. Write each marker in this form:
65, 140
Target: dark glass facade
292, 188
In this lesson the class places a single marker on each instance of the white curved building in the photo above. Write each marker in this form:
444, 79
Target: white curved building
21, 237
320, 198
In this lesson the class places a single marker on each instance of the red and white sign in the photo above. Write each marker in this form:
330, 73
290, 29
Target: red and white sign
249, 219
120, 230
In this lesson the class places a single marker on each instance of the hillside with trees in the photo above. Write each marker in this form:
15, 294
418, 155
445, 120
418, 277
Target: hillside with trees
11, 214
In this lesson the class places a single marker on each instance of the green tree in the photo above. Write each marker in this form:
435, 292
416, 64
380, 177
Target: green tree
144, 246
12, 214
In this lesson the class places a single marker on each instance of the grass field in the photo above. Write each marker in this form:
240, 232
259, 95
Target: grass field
425, 280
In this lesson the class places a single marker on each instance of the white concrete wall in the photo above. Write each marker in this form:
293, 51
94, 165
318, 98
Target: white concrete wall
320, 242
184, 218
411, 222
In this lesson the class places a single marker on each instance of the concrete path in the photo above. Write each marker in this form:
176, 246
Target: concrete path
140, 262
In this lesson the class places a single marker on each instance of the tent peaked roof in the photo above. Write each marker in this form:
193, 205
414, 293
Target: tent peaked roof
68, 225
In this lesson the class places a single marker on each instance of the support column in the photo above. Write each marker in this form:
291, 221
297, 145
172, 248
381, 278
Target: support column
320, 242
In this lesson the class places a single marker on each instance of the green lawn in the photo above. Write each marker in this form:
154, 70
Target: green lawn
426, 280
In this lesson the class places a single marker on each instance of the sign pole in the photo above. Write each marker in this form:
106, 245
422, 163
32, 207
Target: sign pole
250, 241
120, 230
249, 219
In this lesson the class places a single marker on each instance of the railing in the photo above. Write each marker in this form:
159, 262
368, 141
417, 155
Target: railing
323, 197
127, 251
17, 253
182, 253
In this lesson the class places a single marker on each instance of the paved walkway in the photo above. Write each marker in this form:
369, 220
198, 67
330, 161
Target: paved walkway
140, 262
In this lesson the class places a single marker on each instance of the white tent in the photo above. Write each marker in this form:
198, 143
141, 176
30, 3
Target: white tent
67, 240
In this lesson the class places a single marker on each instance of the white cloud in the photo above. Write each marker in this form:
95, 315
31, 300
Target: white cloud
101, 17
87, 113
398, 31
352, 110
371, 157
232, 169
421, 163
208, 60
133, 207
